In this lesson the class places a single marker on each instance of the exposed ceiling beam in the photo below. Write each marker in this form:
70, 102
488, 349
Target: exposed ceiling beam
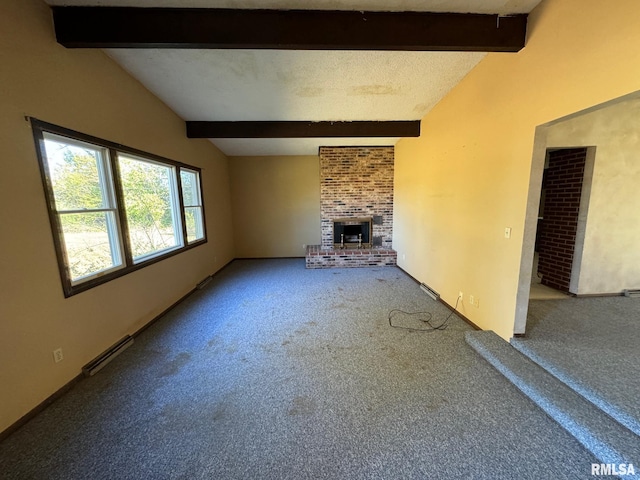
128, 27
285, 129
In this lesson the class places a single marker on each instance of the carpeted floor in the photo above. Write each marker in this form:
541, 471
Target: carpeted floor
591, 344
277, 372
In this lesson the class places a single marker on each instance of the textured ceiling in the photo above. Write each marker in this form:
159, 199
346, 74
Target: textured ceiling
314, 85
238, 85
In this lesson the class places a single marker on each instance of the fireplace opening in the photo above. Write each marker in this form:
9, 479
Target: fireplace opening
352, 232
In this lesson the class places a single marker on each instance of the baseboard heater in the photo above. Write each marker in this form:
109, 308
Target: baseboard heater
429, 291
204, 282
97, 364
631, 293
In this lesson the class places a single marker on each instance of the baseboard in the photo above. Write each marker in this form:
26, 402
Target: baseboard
596, 295
270, 258
68, 386
177, 302
409, 275
163, 313
465, 319
7, 432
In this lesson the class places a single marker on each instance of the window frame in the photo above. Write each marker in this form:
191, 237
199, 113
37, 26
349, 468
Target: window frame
72, 287
109, 205
198, 205
176, 206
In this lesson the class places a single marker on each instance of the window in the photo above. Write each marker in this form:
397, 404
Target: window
192, 204
114, 209
151, 206
86, 206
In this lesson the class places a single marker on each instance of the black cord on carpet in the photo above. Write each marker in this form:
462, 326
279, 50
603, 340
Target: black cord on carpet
427, 320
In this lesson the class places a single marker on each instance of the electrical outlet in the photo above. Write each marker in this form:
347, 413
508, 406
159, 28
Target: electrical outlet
507, 232
475, 301
57, 355
460, 295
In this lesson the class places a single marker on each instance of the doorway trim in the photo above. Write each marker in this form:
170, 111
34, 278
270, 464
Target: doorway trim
530, 227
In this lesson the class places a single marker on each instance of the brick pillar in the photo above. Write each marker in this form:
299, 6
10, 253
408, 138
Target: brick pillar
357, 182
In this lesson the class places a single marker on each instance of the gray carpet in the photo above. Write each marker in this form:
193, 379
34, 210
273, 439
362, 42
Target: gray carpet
277, 372
607, 439
592, 345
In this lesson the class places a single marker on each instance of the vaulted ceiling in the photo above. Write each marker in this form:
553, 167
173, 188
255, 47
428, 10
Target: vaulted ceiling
337, 85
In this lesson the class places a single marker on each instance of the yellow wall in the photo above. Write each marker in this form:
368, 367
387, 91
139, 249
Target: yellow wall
466, 177
276, 205
83, 90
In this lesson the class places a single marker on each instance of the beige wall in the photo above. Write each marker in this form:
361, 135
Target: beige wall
467, 177
611, 251
276, 205
85, 91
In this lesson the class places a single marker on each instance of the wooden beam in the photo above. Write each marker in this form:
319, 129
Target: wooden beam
284, 129
129, 27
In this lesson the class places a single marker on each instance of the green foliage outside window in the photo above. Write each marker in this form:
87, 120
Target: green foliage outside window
113, 208
149, 204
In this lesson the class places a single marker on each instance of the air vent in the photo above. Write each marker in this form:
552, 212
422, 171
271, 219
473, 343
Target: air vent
429, 291
204, 282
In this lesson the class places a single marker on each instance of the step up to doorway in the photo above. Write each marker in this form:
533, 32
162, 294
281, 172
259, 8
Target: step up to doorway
609, 441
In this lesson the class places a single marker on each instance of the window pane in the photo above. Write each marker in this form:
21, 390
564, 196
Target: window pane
192, 204
150, 204
193, 217
190, 188
90, 248
75, 175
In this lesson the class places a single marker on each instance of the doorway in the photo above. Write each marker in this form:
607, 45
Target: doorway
559, 215
606, 259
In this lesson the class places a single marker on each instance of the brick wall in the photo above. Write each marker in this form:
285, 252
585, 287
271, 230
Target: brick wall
348, 258
562, 184
357, 182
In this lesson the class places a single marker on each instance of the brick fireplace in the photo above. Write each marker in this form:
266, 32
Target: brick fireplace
356, 189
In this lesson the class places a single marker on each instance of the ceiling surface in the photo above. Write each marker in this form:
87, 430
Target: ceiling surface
310, 85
